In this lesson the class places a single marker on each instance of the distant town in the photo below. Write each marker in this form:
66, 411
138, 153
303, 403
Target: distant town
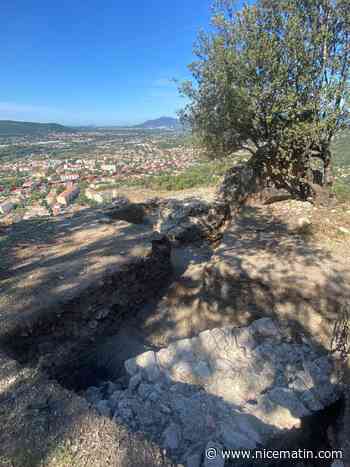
46, 175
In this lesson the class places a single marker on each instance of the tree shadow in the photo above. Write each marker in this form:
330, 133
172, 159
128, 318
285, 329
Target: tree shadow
228, 290
51, 268
262, 267
57, 425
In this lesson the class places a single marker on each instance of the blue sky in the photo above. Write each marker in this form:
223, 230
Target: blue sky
95, 62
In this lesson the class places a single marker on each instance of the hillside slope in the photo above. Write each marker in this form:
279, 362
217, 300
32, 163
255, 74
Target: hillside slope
341, 149
162, 122
10, 128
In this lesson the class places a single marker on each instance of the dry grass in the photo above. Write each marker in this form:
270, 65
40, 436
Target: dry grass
331, 227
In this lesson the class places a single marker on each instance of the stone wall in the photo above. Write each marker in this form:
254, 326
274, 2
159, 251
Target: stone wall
191, 220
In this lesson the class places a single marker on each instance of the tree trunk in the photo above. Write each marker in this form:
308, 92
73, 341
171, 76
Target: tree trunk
292, 172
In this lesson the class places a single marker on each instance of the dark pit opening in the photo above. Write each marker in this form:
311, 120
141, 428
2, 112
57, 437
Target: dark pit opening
85, 370
69, 348
78, 379
313, 435
82, 369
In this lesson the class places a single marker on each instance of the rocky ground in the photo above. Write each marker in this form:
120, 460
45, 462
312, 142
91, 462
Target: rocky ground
228, 270
234, 387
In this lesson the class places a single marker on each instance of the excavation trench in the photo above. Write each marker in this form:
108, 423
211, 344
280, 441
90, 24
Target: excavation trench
314, 435
68, 346
84, 342
62, 341
64, 338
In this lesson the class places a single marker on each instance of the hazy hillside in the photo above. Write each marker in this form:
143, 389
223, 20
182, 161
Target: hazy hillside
341, 149
12, 128
162, 122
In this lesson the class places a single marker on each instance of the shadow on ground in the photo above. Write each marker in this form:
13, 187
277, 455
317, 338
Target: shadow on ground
261, 268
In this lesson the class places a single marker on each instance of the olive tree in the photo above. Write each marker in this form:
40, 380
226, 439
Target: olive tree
273, 78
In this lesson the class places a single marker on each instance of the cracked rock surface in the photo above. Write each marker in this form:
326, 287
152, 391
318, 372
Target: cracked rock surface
239, 387
191, 220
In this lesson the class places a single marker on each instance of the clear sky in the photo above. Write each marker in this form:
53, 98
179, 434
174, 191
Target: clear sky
95, 61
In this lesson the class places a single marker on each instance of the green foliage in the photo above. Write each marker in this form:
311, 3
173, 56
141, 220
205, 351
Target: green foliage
341, 156
36, 196
60, 189
190, 179
20, 209
341, 150
273, 77
342, 191
201, 175
83, 184
85, 201
11, 182
206, 173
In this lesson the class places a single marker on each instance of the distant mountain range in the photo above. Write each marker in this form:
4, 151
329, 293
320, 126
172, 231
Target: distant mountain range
9, 128
168, 123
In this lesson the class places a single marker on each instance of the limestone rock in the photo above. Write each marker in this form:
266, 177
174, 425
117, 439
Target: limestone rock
194, 460
103, 408
237, 386
144, 390
191, 220
233, 439
172, 436
116, 397
266, 327
154, 396
274, 417
129, 212
303, 222
287, 398
131, 366
237, 184
134, 382
110, 388
145, 362
125, 410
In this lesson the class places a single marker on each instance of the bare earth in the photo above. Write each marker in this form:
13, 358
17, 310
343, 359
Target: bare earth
59, 258
265, 265
47, 261
268, 263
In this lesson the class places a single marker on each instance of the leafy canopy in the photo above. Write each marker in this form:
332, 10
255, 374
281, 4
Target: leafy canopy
273, 75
